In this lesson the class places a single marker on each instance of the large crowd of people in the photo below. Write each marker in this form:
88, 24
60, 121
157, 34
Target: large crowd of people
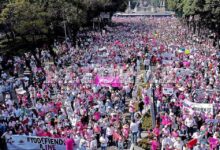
88, 93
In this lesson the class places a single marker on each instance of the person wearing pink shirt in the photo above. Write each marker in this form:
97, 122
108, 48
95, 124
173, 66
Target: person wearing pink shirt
154, 144
156, 131
69, 143
97, 116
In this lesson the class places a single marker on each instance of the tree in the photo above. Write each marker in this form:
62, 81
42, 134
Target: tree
155, 3
175, 5
199, 14
34, 20
25, 20
212, 17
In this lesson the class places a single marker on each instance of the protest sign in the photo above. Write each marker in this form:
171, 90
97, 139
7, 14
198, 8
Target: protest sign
167, 62
183, 72
167, 55
102, 49
214, 121
87, 78
21, 142
20, 91
49, 63
107, 81
198, 107
203, 107
167, 91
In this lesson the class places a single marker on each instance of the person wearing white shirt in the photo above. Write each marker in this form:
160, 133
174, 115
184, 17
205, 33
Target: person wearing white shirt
146, 63
189, 122
197, 136
158, 105
134, 128
94, 144
9, 102
82, 144
200, 146
38, 105
166, 141
102, 109
104, 142
77, 139
4, 114
12, 124
127, 89
109, 133
138, 64
17, 112
166, 130
34, 132
4, 75
178, 144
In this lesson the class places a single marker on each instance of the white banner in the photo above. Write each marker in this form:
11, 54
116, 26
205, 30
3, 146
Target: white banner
198, 107
207, 108
168, 55
87, 78
20, 142
183, 72
167, 91
167, 62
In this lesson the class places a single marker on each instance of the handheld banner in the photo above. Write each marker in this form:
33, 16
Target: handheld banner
20, 142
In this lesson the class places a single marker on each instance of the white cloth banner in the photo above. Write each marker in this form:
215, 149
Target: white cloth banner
87, 78
167, 91
183, 72
207, 108
20, 142
198, 107
168, 55
167, 62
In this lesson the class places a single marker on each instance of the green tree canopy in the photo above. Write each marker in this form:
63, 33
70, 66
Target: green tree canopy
36, 19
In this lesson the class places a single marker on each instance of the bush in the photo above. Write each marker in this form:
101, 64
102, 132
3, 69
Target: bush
144, 143
147, 122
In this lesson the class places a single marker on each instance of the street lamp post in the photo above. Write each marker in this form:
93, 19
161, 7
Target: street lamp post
153, 105
197, 18
64, 24
154, 100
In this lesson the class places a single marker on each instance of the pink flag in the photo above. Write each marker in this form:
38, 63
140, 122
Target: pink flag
108, 81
